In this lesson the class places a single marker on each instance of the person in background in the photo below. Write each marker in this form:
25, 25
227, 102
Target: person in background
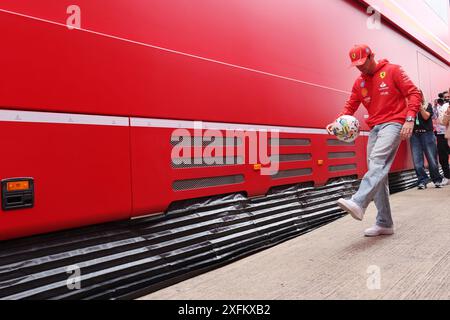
446, 122
392, 101
423, 142
442, 142
446, 96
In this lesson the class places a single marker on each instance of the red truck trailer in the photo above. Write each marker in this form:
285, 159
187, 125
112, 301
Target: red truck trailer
91, 93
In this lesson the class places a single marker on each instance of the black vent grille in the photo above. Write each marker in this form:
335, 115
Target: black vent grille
292, 157
206, 162
205, 141
335, 142
342, 167
198, 183
292, 173
290, 142
341, 155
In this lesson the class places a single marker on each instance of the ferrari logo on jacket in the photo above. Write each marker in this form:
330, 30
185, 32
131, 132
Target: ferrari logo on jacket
382, 75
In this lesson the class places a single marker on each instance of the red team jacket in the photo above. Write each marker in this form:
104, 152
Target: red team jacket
388, 95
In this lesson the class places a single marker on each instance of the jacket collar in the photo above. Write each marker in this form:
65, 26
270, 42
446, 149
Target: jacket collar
379, 66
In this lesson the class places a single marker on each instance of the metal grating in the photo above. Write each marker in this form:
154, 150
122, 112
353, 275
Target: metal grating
289, 142
342, 167
335, 142
199, 183
292, 173
341, 155
200, 141
205, 162
292, 157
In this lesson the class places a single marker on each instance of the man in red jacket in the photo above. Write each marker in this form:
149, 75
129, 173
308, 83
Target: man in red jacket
392, 102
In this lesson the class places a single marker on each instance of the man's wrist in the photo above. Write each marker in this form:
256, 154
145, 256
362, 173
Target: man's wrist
409, 119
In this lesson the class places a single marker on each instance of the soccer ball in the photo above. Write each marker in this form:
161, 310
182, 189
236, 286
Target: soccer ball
346, 128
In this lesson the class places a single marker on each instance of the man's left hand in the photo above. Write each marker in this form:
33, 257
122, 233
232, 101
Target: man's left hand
407, 130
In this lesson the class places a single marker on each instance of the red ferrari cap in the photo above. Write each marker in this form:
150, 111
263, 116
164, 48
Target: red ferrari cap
359, 53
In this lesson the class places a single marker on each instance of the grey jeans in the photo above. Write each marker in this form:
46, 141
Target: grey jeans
384, 140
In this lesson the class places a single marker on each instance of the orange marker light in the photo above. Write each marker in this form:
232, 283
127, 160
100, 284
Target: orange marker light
257, 166
320, 162
18, 185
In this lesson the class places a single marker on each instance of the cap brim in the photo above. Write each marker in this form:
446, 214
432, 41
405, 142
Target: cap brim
359, 62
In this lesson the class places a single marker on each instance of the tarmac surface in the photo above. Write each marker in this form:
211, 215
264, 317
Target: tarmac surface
337, 262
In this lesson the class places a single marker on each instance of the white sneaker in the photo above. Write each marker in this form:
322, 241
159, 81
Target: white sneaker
377, 231
444, 182
351, 207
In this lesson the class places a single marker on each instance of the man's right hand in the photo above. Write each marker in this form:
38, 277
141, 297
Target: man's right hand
407, 130
330, 128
